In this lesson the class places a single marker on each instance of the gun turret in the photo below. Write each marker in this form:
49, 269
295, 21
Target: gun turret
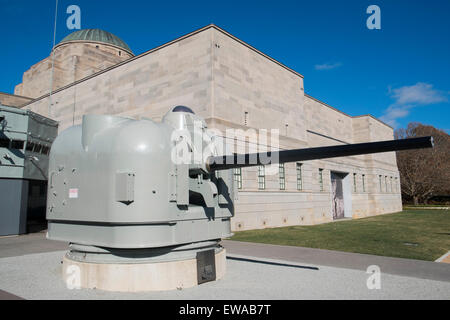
116, 182
134, 193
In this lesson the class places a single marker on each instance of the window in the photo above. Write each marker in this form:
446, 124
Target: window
379, 179
299, 177
37, 148
354, 182
30, 146
282, 177
364, 182
238, 177
321, 179
261, 178
17, 144
4, 143
386, 183
45, 150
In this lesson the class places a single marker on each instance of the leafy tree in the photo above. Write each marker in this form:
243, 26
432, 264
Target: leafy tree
424, 173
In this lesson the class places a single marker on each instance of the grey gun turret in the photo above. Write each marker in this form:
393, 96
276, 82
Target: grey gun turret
118, 183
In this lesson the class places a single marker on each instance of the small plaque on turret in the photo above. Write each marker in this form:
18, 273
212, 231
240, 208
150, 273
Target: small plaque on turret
206, 266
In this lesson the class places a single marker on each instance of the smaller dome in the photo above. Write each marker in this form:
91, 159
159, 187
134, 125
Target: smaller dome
182, 109
96, 35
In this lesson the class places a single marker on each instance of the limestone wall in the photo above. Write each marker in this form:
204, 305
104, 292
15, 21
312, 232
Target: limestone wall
247, 81
11, 100
146, 86
327, 121
72, 62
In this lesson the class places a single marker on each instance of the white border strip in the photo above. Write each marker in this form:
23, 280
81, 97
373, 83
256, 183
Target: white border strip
443, 257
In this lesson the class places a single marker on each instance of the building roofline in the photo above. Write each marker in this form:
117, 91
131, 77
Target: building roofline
375, 118
22, 100
254, 49
15, 95
327, 105
159, 48
360, 116
175, 41
93, 42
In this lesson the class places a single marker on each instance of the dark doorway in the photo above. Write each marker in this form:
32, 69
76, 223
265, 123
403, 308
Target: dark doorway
37, 199
337, 194
23, 206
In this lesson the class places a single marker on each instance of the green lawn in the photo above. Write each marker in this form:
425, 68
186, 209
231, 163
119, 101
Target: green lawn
418, 206
414, 234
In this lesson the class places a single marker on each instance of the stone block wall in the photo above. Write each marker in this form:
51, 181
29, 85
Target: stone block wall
72, 62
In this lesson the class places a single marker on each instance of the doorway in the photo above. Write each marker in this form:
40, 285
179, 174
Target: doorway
340, 195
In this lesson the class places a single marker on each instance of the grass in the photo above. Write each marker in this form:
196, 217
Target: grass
424, 205
413, 234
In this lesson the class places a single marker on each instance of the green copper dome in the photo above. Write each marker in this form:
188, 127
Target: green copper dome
96, 35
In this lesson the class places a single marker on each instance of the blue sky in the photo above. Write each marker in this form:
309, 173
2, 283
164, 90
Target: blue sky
399, 73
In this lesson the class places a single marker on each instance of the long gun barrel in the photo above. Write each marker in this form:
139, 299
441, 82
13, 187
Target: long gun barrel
255, 159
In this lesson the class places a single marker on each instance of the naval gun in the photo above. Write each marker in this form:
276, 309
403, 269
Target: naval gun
119, 194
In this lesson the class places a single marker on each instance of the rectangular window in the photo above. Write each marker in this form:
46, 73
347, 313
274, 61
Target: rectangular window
4, 143
381, 187
238, 177
282, 177
364, 182
261, 178
17, 144
30, 146
354, 182
45, 150
37, 148
386, 183
321, 179
299, 177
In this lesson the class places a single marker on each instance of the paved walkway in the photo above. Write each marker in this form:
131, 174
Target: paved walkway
8, 296
28, 244
30, 268
395, 266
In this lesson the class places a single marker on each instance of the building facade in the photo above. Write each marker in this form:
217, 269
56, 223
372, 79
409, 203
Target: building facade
77, 56
233, 85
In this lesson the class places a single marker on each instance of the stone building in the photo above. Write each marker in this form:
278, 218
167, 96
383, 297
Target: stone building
11, 100
77, 56
231, 85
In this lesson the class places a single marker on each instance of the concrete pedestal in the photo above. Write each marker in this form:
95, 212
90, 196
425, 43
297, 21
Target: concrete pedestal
137, 277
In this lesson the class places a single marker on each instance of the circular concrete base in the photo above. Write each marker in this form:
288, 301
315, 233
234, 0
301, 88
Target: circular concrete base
129, 277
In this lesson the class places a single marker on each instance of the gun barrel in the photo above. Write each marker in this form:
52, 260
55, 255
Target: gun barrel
264, 158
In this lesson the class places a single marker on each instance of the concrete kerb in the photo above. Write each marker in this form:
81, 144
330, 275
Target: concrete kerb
445, 258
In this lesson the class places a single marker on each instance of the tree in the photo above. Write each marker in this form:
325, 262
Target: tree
424, 172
